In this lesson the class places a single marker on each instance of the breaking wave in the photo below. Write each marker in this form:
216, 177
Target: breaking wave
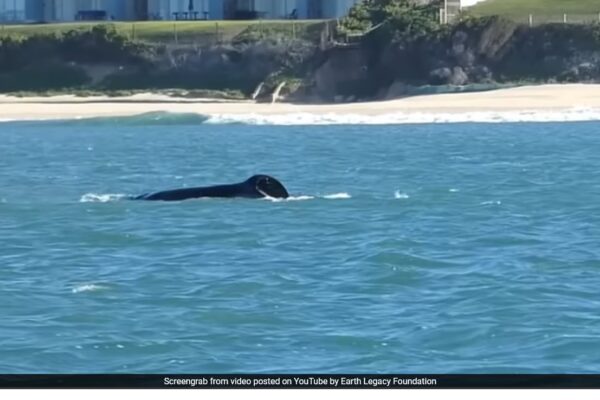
146, 119
397, 118
570, 115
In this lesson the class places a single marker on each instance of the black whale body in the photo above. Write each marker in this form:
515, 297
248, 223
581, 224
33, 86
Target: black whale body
256, 187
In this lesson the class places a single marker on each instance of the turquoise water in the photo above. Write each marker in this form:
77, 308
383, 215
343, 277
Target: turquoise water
447, 248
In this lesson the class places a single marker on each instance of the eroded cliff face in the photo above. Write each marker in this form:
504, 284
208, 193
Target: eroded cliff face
474, 51
342, 74
471, 52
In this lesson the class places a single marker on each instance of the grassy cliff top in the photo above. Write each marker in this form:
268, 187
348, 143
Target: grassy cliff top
542, 10
158, 31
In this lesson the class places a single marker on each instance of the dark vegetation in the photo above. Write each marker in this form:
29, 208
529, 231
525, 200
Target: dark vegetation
102, 59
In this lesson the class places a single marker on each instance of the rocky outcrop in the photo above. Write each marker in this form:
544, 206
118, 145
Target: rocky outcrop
342, 74
474, 51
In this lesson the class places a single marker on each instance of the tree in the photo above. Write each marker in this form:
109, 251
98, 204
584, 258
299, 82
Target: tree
402, 19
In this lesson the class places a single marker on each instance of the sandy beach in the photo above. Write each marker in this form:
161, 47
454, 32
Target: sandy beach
526, 98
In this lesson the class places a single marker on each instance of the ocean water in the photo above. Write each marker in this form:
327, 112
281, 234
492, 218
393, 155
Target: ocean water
406, 248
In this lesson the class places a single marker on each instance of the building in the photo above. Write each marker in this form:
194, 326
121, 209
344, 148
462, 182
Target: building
324, 9
72, 10
130, 10
174, 9
16, 10
250, 9
268, 9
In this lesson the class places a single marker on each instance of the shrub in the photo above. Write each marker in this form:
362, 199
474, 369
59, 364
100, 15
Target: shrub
401, 20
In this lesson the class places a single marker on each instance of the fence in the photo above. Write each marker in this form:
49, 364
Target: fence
215, 32
449, 11
192, 32
202, 33
565, 18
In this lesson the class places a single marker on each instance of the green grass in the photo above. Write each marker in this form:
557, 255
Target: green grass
170, 31
542, 10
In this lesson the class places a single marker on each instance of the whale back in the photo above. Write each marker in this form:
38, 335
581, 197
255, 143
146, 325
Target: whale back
255, 187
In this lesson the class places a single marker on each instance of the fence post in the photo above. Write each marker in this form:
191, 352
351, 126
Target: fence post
133, 31
294, 30
565, 18
175, 33
530, 20
446, 12
217, 31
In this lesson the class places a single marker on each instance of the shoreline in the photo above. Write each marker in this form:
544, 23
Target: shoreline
542, 98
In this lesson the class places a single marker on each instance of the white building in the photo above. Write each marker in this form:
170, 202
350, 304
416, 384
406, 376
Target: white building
20, 10
70, 10
244, 9
127, 10
319, 9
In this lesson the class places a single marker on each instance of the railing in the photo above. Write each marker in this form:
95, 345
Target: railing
199, 33
449, 13
565, 18
325, 32
213, 32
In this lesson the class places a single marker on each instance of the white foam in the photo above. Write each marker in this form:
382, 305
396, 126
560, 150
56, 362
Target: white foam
291, 198
337, 196
566, 115
299, 198
488, 203
399, 195
574, 114
87, 288
101, 198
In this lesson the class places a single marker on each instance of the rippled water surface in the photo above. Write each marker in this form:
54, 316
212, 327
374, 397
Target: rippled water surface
409, 248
